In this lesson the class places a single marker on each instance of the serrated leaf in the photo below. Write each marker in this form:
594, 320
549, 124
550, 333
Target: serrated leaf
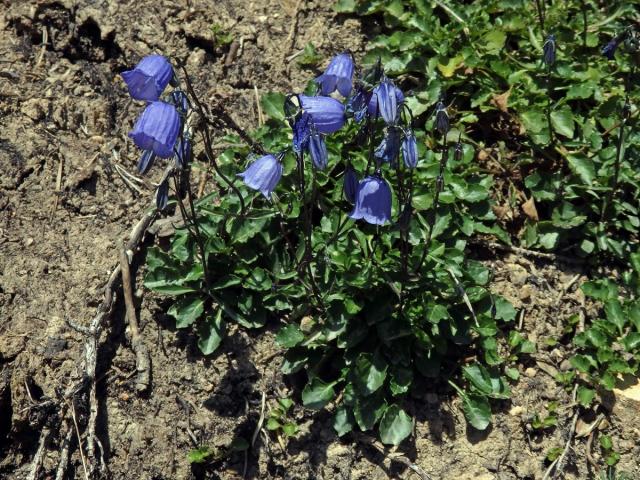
395, 426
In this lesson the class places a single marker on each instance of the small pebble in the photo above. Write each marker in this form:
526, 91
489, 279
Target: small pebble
530, 372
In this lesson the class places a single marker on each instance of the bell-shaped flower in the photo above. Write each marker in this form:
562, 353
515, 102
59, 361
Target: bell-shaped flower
410, 149
146, 161
149, 78
388, 149
327, 114
318, 151
549, 50
157, 129
338, 75
263, 174
373, 201
442, 118
301, 132
351, 182
385, 101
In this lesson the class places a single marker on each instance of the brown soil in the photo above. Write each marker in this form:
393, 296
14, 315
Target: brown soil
64, 208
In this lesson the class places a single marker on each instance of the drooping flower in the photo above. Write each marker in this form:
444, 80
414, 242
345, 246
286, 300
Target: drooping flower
373, 201
318, 150
263, 174
146, 161
609, 50
442, 118
549, 50
410, 149
301, 132
149, 78
389, 147
385, 101
157, 129
338, 75
327, 114
350, 184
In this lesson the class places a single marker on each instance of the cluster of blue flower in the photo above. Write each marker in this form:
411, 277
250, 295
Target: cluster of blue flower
161, 130
313, 117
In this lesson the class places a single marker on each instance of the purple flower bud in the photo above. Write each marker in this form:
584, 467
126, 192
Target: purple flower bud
458, 153
157, 129
183, 152
549, 50
609, 50
318, 150
373, 201
301, 132
385, 101
263, 174
350, 184
389, 147
327, 114
337, 75
149, 78
410, 150
162, 195
442, 118
181, 101
146, 161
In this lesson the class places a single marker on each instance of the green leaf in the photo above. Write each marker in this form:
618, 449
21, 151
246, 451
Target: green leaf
534, 120
585, 395
504, 310
395, 426
289, 336
582, 166
583, 363
369, 373
343, 421
317, 393
345, 6
562, 122
615, 315
310, 56
200, 454
211, 332
476, 410
273, 105
401, 379
187, 310
368, 410
631, 342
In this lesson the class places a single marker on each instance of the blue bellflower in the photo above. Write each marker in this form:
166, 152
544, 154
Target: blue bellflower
338, 75
350, 184
318, 150
157, 129
149, 78
549, 50
385, 101
301, 132
327, 114
373, 201
263, 174
410, 150
389, 147
358, 104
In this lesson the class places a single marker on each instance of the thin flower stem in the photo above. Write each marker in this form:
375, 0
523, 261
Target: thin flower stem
207, 139
436, 201
540, 8
619, 149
